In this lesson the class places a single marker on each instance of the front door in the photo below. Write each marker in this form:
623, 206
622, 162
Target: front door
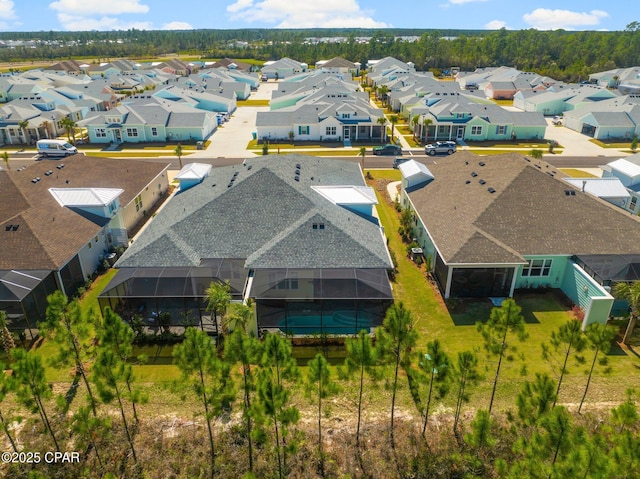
118, 136
347, 132
460, 133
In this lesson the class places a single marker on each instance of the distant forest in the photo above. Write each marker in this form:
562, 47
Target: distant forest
560, 54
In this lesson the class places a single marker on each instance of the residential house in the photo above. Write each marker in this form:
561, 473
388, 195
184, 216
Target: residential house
559, 99
617, 118
58, 221
627, 172
493, 225
339, 64
281, 69
229, 64
148, 118
625, 80
313, 258
332, 113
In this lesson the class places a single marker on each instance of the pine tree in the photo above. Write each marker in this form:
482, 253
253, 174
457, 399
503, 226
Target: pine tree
396, 337
467, 375
31, 386
277, 375
68, 327
599, 337
208, 376
8, 343
436, 365
6, 386
502, 321
568, 341
245, 349
320, 384
362, 357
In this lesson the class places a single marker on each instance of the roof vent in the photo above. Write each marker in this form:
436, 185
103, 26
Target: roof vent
298, 166
60, 166
482, 182
297, 178
467, 182
482, 163
249, 167
35, 180
569, 192
14, 227
491, 190
474, 174
8, 227
48, 173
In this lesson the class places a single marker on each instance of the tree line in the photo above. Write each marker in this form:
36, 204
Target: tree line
246, 394
560, 54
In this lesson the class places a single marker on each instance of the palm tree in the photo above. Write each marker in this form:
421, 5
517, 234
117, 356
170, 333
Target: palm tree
291, 136
414, 125
630, 292
382, 121
45, 126
69, 126
218, 297
382, 92
5, 158
178, 153
393, 119
23, 126
362, 153
425, 129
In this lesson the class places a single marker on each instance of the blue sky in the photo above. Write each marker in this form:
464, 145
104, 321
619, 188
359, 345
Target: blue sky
20, 15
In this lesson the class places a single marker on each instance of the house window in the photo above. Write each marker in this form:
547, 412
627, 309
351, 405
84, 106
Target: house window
101, 133
443, 130
132, 132
537, 267
476, 130
154, 131
286, 283
303, 130
138, 202
346, 115
331, 131
501, 130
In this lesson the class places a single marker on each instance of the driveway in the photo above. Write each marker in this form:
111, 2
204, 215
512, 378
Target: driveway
231, 138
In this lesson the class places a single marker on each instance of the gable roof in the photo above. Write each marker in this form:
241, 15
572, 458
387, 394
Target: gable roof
530, 212
47, 234
261, 212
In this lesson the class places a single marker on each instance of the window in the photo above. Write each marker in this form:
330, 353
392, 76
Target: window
101, 133
287, 283
346, 115
501, 130
154, 131
138, 202
132, 132
303, 130
476, 130
331, 131
537, 267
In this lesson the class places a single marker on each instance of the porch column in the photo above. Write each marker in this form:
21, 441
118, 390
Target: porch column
357, 128
447, 289
513, 281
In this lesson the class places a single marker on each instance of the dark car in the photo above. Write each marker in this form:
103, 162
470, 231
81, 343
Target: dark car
441, 147
398, 161
387, 150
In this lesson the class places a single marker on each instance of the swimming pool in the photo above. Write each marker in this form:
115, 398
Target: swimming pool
339, 322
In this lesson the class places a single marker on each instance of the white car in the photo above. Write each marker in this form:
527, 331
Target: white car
556, 120
441, 147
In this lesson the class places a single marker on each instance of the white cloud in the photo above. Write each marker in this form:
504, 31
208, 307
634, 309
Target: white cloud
6, 10
287, 14
546, 19
98, 7
496, 25
177, 26
80, 23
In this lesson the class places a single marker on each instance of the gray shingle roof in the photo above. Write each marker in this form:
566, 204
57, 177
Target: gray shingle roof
265, 216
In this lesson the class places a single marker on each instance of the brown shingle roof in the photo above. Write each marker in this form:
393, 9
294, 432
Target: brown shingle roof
48, 235
528, 213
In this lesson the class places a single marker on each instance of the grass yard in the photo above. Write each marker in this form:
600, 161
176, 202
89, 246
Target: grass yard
577, 173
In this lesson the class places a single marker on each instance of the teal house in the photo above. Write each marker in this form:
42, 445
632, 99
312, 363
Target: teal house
500, 224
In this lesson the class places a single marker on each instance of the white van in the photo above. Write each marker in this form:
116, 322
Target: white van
56, 148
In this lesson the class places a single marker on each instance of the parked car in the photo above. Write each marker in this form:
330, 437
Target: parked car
398, 161
556, 120
48, 148
441, 147
387, 150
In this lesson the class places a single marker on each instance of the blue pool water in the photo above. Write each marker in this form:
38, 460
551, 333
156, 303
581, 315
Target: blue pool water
340, 322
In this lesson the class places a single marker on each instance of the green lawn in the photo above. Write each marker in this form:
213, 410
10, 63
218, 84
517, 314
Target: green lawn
577, 173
